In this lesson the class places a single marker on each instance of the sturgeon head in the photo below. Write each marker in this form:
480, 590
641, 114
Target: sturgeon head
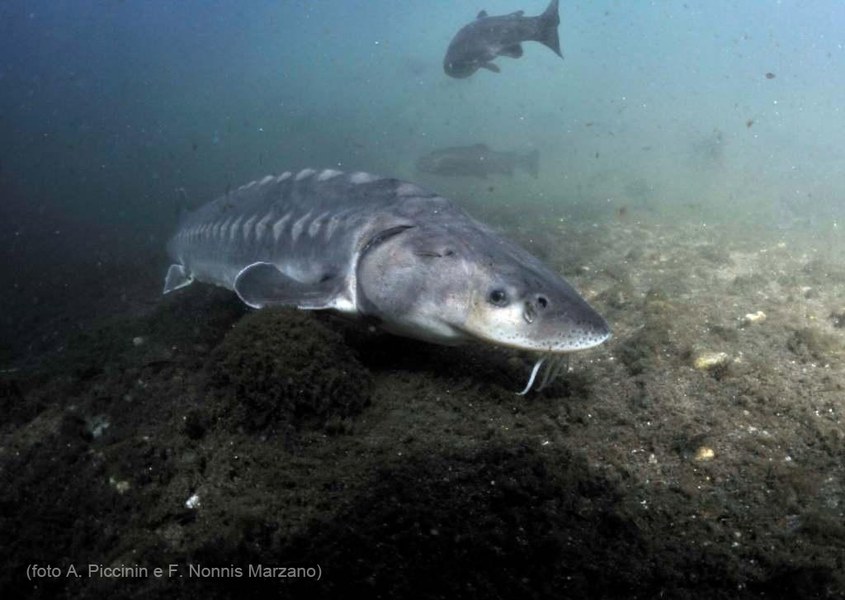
459, 281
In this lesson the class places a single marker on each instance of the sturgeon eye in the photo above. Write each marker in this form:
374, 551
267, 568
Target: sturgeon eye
498, 298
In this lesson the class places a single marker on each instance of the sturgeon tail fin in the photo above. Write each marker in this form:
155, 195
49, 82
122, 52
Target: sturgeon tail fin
177, 277
547, 31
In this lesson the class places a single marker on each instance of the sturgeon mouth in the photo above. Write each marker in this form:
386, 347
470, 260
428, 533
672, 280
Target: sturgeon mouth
555, 365
556, 361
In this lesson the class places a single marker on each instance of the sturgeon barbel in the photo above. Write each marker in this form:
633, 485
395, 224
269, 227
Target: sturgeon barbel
385, 250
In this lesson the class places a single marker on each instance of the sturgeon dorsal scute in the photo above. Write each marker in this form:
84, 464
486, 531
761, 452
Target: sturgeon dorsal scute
310, 224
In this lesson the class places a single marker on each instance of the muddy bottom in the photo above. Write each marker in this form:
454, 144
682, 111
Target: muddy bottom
195, 449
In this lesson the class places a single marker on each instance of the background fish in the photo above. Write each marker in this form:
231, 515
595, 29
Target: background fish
477, 160
479, 42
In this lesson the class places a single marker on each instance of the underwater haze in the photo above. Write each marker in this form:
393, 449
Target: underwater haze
107, 107
689, 183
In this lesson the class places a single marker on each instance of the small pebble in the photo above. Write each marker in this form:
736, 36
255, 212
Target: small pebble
138, 341
97, 425
704, 453
121, 487
710, 360
753, 318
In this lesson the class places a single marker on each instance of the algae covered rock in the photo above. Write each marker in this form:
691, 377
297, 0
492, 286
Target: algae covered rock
810, 344
284, 366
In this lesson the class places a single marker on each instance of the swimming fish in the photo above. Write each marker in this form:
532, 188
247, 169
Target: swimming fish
482, 40
478, 161
387, 251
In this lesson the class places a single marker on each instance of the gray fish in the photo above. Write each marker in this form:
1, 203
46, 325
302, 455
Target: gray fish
479, 42
385, 250
477, 161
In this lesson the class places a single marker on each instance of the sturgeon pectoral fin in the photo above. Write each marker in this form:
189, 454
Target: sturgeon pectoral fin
263, 284
514, 51
491, 67
177, 277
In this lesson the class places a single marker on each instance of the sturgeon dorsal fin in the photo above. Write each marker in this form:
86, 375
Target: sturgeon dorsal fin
481, 14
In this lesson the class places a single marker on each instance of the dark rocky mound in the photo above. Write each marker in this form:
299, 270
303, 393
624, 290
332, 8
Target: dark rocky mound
282, 366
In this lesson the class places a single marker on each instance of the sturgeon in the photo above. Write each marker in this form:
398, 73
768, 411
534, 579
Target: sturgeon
388, 251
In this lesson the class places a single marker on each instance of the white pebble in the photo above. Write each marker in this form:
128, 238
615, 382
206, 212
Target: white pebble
752, 318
